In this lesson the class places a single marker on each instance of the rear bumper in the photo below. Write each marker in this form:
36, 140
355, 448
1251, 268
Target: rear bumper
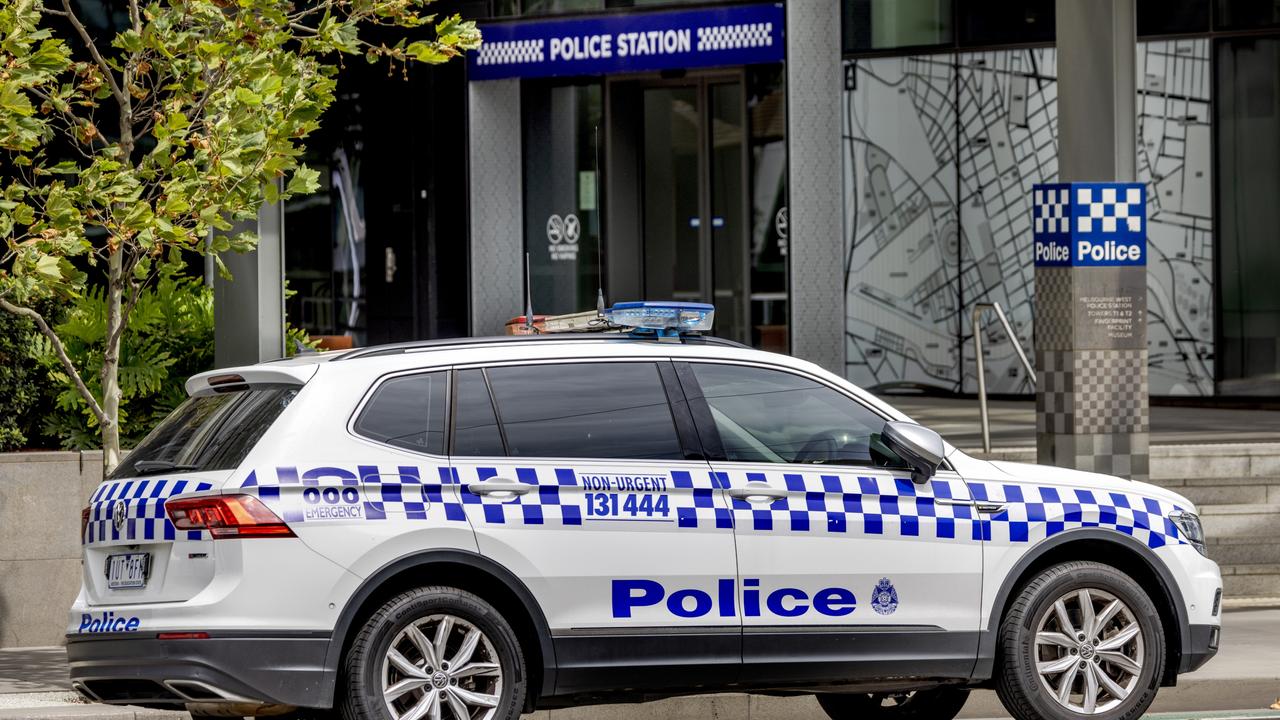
1203, 645
286, 670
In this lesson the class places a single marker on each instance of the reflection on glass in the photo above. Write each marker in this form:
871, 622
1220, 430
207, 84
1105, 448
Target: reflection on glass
672, 216
767, 115
881, 24
728, 236
1248, 153
562, 206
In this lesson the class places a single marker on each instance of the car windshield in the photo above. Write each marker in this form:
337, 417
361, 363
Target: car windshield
209, 432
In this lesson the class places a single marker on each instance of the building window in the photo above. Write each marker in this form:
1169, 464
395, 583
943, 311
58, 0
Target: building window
1245, 14
884, 24
1172, 17
1248, 156
562, 194
984, 23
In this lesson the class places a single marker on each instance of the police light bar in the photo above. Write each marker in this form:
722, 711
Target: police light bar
662, 316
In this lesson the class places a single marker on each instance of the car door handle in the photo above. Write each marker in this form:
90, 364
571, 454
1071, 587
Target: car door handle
500, 488
986, 508
757, 493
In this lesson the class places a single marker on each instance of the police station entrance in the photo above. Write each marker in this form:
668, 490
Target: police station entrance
663, 172
678, 210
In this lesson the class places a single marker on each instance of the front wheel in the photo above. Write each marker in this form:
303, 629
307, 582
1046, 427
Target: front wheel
941, 703
1081, 640
439, 653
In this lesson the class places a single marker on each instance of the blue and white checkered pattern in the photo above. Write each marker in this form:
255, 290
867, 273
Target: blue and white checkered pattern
818, 502
509, 52
144, 501
1052, 210
733, 37
1103, 210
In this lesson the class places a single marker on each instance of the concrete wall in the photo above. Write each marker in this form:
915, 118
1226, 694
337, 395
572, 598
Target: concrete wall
41, 495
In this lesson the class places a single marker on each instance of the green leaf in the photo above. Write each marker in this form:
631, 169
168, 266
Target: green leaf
304, 181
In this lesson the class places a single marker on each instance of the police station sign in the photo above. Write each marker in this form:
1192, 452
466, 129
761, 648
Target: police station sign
1090, 224
635, 42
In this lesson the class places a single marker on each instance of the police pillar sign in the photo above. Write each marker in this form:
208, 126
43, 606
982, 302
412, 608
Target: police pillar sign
1090, 245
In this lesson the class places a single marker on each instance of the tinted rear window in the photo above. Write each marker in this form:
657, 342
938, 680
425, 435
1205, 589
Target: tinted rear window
587, 410
407, 412
210, 432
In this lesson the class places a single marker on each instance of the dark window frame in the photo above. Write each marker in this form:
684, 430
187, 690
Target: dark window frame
372, 392
710, 433
677, 405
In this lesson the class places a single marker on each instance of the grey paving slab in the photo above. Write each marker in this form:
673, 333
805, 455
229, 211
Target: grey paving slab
33, 670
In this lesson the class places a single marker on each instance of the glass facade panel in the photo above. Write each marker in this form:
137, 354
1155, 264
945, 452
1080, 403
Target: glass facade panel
941, 153
1245, 14
982, 22
1248, 117
561, 194
882, 24
1170, 17
767, 118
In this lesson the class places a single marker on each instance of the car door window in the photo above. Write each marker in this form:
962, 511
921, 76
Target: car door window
407, 412
595, 410
475, 427
766, 415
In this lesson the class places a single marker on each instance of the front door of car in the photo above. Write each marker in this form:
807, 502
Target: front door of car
584, 480
847, 569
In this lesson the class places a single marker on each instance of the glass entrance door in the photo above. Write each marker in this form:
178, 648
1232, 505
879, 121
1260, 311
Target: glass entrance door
693, 197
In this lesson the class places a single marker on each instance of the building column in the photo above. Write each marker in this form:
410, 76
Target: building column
248, 309
497, 205
815, 183
1090, 312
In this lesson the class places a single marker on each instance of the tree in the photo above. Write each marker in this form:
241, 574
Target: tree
122, 153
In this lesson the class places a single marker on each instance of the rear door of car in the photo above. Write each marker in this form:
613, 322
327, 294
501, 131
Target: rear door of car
584, 478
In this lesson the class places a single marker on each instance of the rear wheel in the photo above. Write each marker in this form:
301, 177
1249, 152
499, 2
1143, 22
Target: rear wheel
434, 653
1081, 640
941, 703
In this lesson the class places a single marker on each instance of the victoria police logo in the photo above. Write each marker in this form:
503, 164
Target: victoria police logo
119, 513
884, 599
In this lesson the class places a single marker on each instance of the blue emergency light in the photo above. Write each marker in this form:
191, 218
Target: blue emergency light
663, 317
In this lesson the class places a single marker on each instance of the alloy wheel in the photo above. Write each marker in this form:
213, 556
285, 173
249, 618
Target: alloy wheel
441, 666
1089, 651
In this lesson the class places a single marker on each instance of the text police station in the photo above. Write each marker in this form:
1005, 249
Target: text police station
595, 47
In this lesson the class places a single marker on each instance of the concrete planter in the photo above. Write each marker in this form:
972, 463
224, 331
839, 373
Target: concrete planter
41, 496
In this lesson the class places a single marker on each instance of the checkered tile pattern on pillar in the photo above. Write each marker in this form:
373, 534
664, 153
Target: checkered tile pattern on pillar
1053, 398
1054, 325
1113, 401
1106, 211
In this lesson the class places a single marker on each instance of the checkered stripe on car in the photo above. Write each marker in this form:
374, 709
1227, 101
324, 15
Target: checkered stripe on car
145, 518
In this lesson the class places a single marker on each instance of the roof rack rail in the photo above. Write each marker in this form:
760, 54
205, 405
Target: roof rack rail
444, 343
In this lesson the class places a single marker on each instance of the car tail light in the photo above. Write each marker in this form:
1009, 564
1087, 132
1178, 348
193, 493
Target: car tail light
183, 636
227, 516
84, 523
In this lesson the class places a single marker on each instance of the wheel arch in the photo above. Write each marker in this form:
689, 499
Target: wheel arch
1107, 547
467, 571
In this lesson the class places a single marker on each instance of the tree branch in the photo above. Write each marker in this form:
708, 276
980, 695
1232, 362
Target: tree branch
121, 97
58, 348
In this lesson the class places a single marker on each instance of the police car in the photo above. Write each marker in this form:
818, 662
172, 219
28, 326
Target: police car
475, 528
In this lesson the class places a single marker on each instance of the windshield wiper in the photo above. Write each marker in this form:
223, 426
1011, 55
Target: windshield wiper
149, 467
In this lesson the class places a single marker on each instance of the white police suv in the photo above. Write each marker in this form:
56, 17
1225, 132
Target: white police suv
470, 529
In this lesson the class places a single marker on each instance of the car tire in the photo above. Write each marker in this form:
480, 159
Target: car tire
393, 666
1081, 639
941, 703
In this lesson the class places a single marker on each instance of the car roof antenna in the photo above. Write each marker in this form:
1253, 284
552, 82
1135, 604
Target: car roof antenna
599, 227
528, 299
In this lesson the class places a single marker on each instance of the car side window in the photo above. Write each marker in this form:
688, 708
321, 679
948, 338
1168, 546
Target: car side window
407, 412
588, 410
765, 415
475, 427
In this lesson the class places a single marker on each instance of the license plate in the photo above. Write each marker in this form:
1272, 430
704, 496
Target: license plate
128, 570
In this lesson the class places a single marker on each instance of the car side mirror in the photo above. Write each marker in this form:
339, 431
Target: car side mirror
919, 446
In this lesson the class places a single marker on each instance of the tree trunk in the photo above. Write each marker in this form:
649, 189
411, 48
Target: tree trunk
111, 362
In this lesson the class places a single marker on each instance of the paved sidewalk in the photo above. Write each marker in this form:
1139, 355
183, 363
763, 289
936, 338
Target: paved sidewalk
1245, 676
